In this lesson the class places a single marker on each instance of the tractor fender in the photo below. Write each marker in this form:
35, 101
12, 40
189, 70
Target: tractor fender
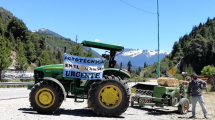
116, 72
57, 82
182, 100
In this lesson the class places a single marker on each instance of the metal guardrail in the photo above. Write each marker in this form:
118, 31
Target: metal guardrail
15, 83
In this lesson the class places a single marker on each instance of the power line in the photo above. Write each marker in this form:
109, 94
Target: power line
137, 7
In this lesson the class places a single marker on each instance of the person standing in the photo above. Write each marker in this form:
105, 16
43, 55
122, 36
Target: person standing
195, 91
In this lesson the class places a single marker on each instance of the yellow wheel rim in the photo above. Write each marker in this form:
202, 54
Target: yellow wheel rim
186, 107
45, 98
110, 96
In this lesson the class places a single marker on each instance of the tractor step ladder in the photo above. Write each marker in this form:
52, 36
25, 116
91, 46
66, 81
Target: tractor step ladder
79, 98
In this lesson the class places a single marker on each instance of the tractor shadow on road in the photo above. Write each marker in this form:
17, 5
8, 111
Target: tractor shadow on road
74, 112
156, 111
160, 111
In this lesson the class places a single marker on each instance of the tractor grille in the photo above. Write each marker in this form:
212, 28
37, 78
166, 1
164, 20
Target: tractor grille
145, 93
38, 76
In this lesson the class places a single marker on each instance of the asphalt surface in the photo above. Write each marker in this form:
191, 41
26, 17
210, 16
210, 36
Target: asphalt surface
13, 93
21, 109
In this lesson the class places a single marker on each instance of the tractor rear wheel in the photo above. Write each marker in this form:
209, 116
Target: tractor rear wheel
46, 97
109, 97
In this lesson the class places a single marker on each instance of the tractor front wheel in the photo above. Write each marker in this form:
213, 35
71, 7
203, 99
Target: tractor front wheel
110, 97
46, 97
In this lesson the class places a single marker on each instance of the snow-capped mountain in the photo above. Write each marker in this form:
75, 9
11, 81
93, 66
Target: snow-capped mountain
47, 31
138, 57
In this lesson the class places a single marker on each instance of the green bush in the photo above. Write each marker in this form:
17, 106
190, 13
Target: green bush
189, 70
137, 79
178, 76
149, 74
208, 70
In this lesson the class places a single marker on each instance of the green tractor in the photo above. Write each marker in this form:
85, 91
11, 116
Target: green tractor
108, 96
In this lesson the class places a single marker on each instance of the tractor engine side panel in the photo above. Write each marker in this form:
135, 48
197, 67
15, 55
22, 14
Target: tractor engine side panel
161, 92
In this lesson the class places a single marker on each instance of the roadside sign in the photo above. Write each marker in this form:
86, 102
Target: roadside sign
172, 71
7, 74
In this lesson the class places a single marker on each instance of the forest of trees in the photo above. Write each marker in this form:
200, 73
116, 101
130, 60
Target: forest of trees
29, 49
195, 51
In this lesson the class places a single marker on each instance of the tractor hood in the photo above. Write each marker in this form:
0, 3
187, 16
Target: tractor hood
53, 66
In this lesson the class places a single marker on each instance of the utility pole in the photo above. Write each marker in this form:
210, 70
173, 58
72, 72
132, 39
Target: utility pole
76, 39
158, 41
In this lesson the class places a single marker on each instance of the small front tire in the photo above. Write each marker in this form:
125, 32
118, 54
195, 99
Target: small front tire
46, 97
183, 106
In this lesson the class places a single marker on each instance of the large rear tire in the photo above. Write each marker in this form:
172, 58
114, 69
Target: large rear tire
46, 97
109, 97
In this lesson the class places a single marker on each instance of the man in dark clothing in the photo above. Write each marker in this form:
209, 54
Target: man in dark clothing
195, 91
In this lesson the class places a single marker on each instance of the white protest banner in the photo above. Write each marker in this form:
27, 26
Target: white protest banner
17, 75
83, 67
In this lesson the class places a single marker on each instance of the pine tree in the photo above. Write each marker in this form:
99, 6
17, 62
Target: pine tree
45, 58
59, 56
145, 65
129, 66
89, 53
18, 28
12, 40
2, 27
21, 59
30, 52
76, 50
5, 61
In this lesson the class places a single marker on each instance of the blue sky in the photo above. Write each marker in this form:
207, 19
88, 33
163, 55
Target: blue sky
113, 21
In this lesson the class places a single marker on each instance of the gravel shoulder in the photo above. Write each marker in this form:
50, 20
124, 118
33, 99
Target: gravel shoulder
19, 109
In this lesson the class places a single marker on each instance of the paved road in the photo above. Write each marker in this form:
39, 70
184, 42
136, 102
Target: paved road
10, 93
19, 109
71, 110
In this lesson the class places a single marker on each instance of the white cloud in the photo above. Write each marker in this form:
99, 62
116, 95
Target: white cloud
97, 40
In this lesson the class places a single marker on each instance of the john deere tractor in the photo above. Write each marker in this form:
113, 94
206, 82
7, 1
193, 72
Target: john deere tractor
108, 96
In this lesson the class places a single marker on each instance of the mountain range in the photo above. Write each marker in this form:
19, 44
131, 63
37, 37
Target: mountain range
136, 56
47, 31
139, 57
